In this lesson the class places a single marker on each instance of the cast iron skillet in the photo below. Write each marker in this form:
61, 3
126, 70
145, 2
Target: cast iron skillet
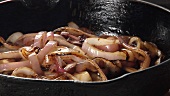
146, 20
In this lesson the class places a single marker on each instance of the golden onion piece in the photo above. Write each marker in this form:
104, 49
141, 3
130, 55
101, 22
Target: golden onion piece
24, 72
14, 37
83, 76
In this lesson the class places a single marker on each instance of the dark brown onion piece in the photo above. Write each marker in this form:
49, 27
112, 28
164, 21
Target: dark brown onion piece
110, 69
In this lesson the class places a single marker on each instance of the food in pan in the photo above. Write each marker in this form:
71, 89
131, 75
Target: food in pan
73, 53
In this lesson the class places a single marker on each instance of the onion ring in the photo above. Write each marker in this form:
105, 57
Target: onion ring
94, 52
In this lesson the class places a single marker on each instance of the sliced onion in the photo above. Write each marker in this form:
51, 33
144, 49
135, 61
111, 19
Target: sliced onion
69, 45
136, 42
26, 39
57, 36
24, 72
49, 37
4, 49
50, 75
10, 54
130, 54
2, 61
83, 76
94, 52
101, 41
136, 51
86, 65
27, 50
14, 65
35, 63
70, 67
152, 48
102, 75
9, 46
127, 64
73, 25
86, 30
107, 66
47, 48
67, 76
13, 37
57, 66
70, 35
69, 55
38, 41
73, 31
73, 57
108, 48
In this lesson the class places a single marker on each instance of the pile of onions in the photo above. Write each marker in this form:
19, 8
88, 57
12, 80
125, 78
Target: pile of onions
72, 53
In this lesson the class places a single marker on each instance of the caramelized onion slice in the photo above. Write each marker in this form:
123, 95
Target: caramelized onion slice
86, 65
88, 47
67, 76
136, 42
137, 52
27, 50
10, 54
83, 76
61, 51
73, 31
14, 37
108, 67
9, 45
73, 25
63, 42
24, 72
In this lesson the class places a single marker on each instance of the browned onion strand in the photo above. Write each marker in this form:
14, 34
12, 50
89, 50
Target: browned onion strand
72, 53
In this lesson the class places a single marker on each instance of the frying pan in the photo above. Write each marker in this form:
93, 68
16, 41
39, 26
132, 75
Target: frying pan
121, 17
